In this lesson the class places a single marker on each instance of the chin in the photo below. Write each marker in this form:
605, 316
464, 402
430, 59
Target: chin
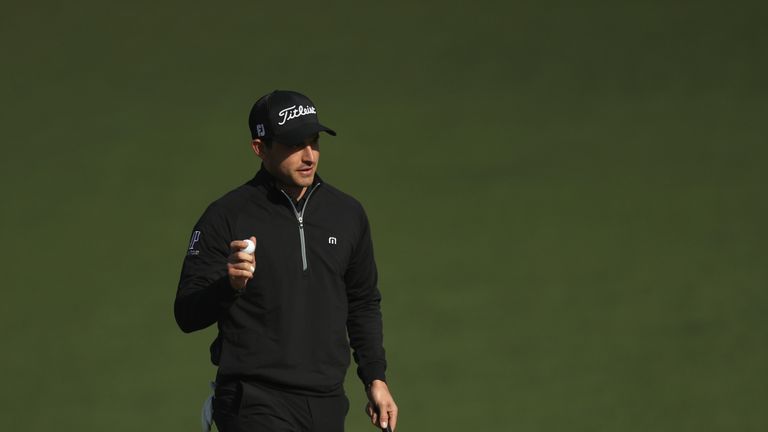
304, 181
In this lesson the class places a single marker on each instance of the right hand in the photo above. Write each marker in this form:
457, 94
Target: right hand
240, 265
381, 407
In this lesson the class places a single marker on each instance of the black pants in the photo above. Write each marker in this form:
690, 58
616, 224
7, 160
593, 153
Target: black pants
240, 406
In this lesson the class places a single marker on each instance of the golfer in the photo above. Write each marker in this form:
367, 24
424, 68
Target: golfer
289, 312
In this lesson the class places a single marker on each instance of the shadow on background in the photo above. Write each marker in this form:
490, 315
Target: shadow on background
566, 199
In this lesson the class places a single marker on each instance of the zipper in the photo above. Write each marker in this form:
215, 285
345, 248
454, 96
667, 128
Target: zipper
300, 219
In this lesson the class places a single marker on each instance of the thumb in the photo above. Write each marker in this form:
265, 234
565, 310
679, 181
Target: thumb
383, 418
253, 239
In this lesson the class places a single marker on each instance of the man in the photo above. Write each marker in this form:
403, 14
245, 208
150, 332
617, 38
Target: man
287, 313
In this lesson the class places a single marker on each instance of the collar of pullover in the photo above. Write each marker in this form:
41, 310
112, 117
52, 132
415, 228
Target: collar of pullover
264, 177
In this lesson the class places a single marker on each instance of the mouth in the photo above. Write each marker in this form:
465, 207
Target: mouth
306, 170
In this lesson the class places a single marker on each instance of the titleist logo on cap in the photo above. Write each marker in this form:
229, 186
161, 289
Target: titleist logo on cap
292, 112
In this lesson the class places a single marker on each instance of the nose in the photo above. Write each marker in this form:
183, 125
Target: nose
307, 155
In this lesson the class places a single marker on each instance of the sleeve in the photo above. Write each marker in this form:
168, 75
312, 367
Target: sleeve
364, 323
204, 290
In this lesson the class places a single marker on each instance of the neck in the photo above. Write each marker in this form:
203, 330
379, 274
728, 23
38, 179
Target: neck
295, 192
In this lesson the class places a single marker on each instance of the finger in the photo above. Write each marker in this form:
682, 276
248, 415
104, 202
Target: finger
249, 267
393, 418
237, 245
241, 257
238, 283
235, 273
253, 239
372, 413
240, 270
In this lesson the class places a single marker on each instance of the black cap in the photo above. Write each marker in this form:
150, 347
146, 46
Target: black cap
285, 116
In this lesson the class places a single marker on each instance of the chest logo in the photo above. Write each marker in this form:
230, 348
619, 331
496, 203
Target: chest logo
332, 240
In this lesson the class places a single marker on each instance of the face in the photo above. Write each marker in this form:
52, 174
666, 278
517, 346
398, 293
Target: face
291, 165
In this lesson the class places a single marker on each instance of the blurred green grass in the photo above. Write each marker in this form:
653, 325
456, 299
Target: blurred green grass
567, 202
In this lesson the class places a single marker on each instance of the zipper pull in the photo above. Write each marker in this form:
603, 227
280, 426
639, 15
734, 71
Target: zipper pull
301, 221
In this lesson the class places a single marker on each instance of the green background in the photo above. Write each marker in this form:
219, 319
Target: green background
567, 199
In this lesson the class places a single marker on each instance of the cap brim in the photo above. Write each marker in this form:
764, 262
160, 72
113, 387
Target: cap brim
297, 135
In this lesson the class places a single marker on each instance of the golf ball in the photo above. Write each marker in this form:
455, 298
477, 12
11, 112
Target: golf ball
249, 248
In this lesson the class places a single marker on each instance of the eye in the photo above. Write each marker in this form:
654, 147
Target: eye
315, 143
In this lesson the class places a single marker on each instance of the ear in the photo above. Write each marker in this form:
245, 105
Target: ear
259, 148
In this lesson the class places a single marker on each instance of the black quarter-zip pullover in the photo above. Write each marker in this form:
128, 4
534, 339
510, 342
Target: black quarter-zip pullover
313, 295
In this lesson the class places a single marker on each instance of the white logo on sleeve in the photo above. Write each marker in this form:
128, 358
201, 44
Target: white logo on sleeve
332, 240
194, 239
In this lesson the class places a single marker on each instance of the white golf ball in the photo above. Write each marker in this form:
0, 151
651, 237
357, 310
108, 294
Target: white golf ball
249, 248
